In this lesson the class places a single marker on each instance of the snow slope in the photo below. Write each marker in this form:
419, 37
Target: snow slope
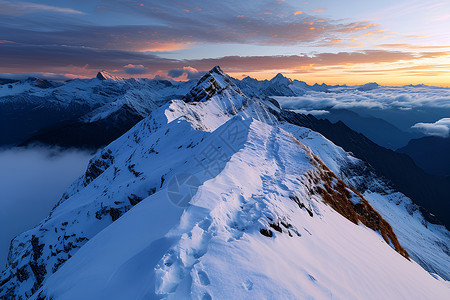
220, 198
214, 249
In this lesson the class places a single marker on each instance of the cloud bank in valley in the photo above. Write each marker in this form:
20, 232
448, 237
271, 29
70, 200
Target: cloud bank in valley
438, 128
403, 98
402, 106
32, 181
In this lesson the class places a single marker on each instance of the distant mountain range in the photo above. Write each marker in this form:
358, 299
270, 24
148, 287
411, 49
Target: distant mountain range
431, 153
376, 129
35, 110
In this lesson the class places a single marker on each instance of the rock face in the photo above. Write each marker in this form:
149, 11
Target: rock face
221, 195
430, 153
209, 85
105, 76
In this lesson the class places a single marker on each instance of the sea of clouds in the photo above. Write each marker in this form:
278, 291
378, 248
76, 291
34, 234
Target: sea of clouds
407, 99
32, 181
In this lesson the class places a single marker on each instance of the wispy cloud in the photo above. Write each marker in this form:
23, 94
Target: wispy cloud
62, 59
22, 8
171, 25
411, 46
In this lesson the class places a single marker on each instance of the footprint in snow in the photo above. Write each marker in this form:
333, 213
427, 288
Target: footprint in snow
206, 296
203, 278
248, 285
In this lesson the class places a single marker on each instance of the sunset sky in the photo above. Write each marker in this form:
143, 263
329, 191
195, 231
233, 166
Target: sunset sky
391, 42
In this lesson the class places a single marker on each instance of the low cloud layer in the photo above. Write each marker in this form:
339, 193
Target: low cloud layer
401, 98
439, 128
47, 76
31, 182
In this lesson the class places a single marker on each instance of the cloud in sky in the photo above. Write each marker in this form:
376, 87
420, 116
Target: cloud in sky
438, 128
157, 34
271, 30
134, 69
189, 72
61, 59
22, 8
32, 181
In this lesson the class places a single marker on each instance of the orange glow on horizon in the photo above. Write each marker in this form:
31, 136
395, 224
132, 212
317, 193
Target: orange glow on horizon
162, 47
430, 71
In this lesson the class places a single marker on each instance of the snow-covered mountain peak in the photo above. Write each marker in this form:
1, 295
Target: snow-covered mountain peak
212, 83
280, 79
103, 75
249, 79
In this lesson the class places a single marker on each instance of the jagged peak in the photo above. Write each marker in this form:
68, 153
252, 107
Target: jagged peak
210, 84
217, 70
103, 75
280, 78
249, 79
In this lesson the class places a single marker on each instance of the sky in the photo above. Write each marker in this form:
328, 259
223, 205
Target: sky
392, 42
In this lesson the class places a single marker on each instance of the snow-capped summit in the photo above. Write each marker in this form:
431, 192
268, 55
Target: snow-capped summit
280, 79
103, 75
213, 82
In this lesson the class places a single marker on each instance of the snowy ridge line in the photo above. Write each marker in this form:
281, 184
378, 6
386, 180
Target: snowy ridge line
261, 214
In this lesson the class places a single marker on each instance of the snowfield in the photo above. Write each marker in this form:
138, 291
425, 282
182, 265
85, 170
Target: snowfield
217, 197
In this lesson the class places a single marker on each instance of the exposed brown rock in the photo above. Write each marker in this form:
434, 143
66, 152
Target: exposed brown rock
337, 194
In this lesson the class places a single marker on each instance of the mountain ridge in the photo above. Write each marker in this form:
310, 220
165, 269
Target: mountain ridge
287, 203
